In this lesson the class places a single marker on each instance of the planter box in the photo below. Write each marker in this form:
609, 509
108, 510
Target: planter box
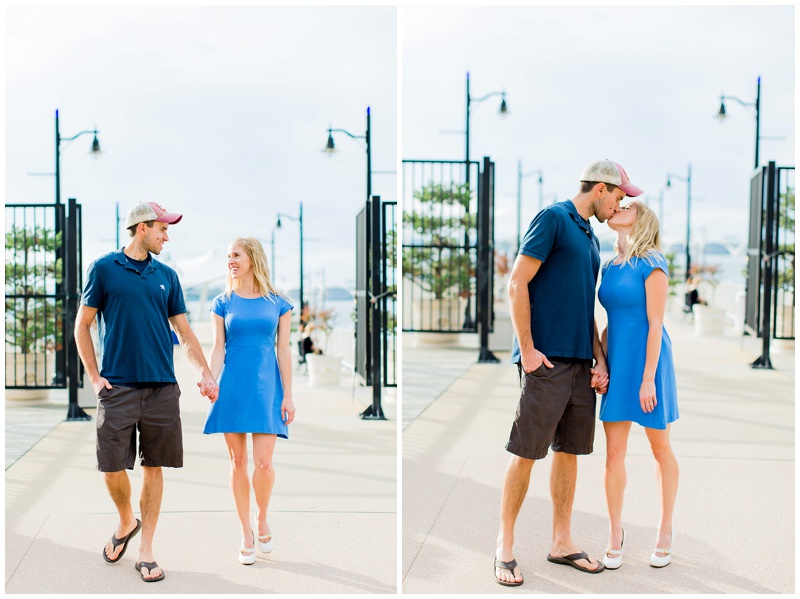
323, 369
29, 369
708, 320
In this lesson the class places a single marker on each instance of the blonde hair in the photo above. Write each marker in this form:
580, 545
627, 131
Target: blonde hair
644, 240
258, 260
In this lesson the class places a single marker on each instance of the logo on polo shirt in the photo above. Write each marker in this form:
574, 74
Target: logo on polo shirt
162, 288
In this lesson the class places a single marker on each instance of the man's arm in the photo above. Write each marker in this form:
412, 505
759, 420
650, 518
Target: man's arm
191, 346
522, 273
83, 339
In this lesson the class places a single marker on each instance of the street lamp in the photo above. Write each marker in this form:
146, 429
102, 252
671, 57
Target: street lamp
688, 181
721, 115
278, 226
520, 177
330, 149
95, 151
59, 225
503, 111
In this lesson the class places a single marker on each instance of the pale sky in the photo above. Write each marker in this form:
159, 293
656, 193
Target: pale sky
638, 85
221, 112
218, 113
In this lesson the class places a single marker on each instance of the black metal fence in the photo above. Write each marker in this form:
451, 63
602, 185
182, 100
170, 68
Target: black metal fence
440, 253
376, 299
770, 299
42, 287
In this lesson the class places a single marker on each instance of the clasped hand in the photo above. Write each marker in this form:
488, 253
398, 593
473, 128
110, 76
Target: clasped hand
209, 388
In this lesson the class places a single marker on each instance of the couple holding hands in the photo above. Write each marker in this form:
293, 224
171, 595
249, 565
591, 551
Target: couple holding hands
136, 300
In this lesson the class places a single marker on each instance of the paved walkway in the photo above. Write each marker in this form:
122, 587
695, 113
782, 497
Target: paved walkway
333, 513
735, 516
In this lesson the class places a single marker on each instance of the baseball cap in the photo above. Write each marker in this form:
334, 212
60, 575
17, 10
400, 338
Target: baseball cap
144, 211
608, 171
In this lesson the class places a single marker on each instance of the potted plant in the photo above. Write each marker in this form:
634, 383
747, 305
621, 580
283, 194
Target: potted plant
439, 270
33, 317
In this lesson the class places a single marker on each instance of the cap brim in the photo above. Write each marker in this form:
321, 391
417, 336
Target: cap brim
171, 218
631, 190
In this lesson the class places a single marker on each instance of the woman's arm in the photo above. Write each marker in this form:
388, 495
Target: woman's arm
284, 354
656, 290
217, 357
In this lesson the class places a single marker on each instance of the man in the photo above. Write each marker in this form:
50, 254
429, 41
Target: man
551, 292
137, 298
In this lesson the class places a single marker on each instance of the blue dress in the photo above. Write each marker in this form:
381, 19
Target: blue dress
250, 386
622, 294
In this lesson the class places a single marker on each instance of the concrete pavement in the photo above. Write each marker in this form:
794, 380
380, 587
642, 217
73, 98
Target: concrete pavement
333, 511
734, 519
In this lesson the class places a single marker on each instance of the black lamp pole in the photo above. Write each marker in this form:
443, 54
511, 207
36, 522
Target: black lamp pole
59, 227
330, 149
468, 322
688, 181
520, 177
722, 113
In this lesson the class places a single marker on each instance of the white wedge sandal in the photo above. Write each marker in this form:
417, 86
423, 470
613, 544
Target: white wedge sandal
264, 541
659, 561
247, 557
613, 557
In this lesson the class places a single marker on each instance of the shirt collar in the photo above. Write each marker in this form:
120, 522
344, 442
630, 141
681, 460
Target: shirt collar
583, 223
121, 258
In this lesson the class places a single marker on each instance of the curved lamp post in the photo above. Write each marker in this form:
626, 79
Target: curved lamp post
688, 180
503, 110
330, 149
59, 226
722, 114
520, 177
278, 226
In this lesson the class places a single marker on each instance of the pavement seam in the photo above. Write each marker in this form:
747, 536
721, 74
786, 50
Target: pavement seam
27, 550
431, 402
439, 513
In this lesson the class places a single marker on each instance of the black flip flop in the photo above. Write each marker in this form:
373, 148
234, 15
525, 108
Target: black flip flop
507, 566
569, 560
150, 567
123, 541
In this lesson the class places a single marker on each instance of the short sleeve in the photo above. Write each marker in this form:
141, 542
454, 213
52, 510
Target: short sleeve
176, 304
93, 290
540, 236
284, 306
653, 261
218, 305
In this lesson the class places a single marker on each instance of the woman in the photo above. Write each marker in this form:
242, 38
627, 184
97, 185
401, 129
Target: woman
641, 385
251, 324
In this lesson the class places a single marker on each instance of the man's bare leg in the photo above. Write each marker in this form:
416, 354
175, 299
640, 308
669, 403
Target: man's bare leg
563, 475
515, 487
150, 505
119, 487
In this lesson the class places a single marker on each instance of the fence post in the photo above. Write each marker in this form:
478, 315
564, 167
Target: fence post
375, 411
71, 294
485, 259
767, 258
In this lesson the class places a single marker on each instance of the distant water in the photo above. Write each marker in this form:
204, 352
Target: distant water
342, 310
731, 268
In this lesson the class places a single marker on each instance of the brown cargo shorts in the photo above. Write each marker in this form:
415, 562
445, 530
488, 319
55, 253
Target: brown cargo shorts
154, 411
556, 408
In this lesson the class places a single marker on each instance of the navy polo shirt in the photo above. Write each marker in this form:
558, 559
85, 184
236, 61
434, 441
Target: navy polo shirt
562, 294
133, 309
